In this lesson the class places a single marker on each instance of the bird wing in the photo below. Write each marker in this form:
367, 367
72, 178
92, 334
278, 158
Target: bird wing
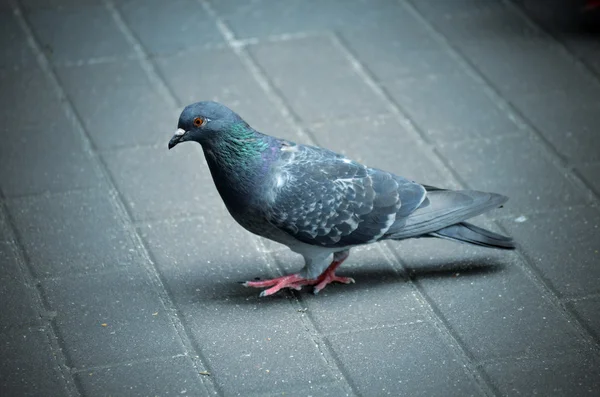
323, 198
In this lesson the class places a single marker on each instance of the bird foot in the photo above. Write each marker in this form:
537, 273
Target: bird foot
330, 277
293, 281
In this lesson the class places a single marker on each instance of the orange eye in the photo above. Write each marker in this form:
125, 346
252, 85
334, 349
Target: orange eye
198, 121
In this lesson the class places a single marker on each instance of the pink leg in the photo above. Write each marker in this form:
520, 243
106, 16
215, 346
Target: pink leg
329, 276
293, 281
296, 281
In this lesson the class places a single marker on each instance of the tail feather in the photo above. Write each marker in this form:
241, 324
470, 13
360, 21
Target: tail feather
469, 233
443, 208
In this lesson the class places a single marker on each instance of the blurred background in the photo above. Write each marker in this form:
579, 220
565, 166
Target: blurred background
119, 262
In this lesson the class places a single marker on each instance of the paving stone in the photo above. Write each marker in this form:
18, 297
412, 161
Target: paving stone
219, 75
564, 247
321, 87
572, 374
392, 60
18, 299
137, 325
5, 230
40, 4
512, 166
14, 50
443, 106
205, 257
476, 21
170, 27
27, 367
41, 151
173, 376
77, 232
402, 360
588, 311
380, 142
489, 303
570, 127
8, 258
585, 47
157, 183
380, 296
591, 175
325, 390
517, 67
248, 20
269, 350
71, 34
118, 104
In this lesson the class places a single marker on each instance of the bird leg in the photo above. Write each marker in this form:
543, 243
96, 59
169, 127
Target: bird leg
329, 276
295, 281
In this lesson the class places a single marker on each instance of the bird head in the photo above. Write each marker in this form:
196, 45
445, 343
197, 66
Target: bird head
203, 121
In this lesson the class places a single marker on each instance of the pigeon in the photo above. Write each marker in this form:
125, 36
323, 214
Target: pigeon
319, 203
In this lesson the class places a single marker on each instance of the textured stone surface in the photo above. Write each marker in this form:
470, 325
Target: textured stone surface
574, 374
120, 263
407, 359
111, 318
174, 376
27, 367
564, 247
75, 232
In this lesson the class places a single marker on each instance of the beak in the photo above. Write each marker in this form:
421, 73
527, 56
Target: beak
176, 138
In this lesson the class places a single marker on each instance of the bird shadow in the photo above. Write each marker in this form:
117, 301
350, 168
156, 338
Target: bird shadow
376, 275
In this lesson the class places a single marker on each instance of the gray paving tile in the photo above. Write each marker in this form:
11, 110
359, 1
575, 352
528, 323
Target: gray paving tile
588, 311
572, 374
451, 107
321, 87
157, 183
380, 142
41, 149
76, 232
488, 302
271, 17
18, 299
205, 257
476, 20
118, 104
392, 61
5, 230
271, 352
564, 247
27, 367
14, 50
512, 166
517, 67
325, 390
402, 360
439, 10
111, 318
591, 175
569, 126
379, 297
37, 4
586, 48
173, 376
70, 34
219, 75
169, 27
10, 266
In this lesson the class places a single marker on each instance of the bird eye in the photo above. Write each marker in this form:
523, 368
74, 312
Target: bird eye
198, 121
